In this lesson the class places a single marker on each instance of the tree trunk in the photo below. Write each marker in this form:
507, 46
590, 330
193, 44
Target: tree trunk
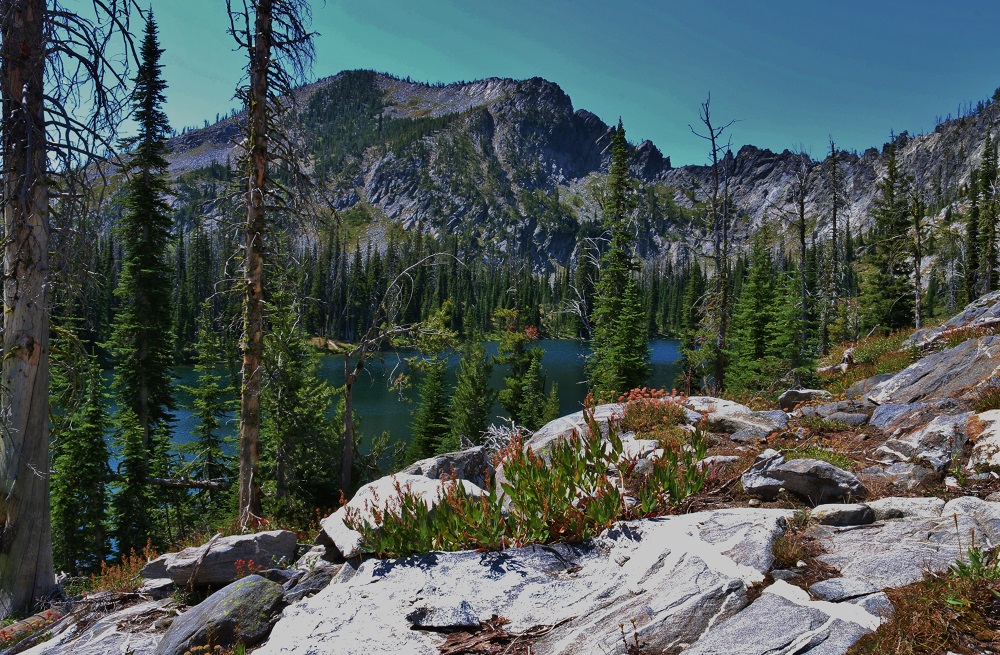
253, 301
347, 456
26, 570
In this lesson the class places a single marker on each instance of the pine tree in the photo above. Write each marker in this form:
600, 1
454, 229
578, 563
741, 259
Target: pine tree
472, 402
79, 487
209, 405
133, 505
620, 344
141, 342
430, 429
518, 400
301, 445
887, 290
753, 323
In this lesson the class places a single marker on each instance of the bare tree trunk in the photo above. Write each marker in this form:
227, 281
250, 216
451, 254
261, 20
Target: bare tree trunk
26, 570
253, 301
350, 439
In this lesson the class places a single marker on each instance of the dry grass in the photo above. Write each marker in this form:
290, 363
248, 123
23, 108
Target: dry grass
940, 614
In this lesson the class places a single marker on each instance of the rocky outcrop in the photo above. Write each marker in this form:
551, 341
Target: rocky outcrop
984, 312
473, 464
815, 481
791, 398
675, 576
240, 612
215, 562
947, 374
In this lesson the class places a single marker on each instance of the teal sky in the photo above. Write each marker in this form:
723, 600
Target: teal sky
793, 72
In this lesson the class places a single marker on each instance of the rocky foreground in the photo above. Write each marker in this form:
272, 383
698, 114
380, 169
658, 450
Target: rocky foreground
781, 553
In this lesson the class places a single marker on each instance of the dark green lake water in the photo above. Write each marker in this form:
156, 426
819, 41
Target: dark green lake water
382, 409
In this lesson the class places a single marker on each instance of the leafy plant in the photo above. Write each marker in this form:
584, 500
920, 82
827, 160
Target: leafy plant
648, 410
565, 495
988, 397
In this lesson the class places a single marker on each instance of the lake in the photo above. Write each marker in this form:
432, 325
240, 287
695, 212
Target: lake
382, 409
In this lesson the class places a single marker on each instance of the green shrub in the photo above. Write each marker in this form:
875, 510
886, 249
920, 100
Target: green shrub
567, 496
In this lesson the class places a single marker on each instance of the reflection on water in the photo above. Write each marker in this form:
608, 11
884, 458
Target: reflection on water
381, 408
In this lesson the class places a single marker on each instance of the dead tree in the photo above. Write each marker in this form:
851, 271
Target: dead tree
719, 223
279, 49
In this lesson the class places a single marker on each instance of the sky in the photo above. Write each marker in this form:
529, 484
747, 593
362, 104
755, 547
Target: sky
792, 74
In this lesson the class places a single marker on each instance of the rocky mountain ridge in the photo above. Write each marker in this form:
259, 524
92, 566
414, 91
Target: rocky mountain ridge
512, 164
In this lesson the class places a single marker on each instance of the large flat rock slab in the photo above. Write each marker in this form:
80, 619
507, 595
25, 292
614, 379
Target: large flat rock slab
784, 620
897, 552
675, 576
949, 373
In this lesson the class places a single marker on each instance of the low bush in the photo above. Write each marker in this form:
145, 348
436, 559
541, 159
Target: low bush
649, 410
123, 576
873, 355
565, 496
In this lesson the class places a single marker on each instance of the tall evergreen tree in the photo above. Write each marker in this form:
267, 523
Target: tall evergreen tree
79, 487
301, 443
141, 342
753, 324
988, 214
209, 405
473, 399
887, 290
620, 344
430, 428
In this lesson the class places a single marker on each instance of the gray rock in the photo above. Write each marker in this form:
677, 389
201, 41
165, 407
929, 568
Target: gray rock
788, 400
811, 479
894, 418
895, 553
907, 476
839, 407
158, 588
942, 375
850, 418
895, 507
934, 445
242, 611
986, 450
104, 632
838, 589
733, 418
985, 513
982, 312
846, 514
443, 613
875, 604
215, 561
312, 582
565, 427
674, 576
785, 620
750, 435
383, 493
861, 388
785, 574
473, 464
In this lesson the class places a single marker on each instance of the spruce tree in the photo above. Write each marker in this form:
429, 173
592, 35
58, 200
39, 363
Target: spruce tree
887, 290
79, 486
301, 445
472, 402
133, 505
518, 399
753, 323
430, 429
210, 403
141, 342
620, 344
